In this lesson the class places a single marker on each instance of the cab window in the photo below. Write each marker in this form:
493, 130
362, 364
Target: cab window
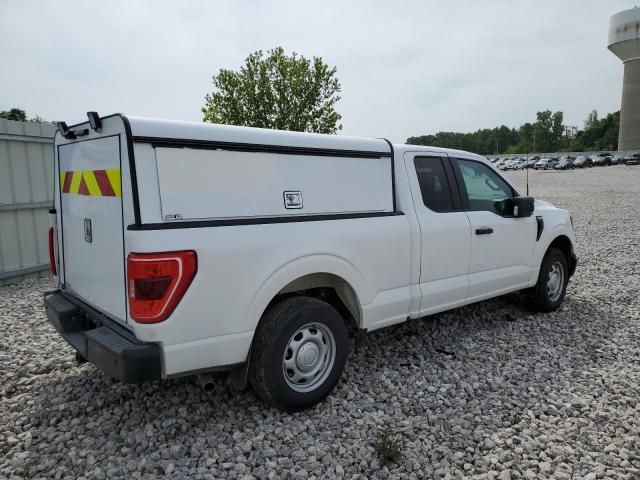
485, 189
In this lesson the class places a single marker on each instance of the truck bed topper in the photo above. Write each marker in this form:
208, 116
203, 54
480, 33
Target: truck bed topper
205, 136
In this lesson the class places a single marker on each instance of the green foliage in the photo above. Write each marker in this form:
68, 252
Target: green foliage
276, 91
20, 115
599, 134
591, 120
388, 447
547, 131
482, 141
546, 134
512, 149
14, 114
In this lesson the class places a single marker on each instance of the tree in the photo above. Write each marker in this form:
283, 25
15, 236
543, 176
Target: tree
14, 114
545, 135
485, 141
548, 130
592, 119
276, 91
599, 134
20, 115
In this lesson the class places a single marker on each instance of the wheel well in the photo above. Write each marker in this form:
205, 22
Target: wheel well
563, 244
327, 287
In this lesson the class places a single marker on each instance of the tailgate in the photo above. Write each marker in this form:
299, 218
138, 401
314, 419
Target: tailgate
92, 222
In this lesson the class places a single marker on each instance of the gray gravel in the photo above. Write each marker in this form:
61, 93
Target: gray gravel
486, 391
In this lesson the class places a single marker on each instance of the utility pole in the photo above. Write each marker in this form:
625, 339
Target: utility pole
570, 132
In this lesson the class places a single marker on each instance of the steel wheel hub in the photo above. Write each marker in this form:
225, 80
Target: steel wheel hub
309, 357
555, 281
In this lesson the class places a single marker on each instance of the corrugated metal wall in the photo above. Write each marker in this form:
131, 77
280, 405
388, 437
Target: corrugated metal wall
26, 192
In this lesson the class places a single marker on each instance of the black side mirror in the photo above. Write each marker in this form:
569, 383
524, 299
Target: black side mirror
523, 206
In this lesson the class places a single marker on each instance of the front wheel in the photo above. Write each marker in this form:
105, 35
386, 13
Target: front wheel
552, 283
298, 354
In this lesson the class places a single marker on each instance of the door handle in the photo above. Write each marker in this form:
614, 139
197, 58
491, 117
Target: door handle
484, 231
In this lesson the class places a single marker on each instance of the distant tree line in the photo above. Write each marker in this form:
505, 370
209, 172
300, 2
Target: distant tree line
546, 134
20, 115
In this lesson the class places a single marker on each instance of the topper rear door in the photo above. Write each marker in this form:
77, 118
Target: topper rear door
92, 222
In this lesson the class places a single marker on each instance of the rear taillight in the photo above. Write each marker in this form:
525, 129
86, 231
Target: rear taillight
157, 282
52, 255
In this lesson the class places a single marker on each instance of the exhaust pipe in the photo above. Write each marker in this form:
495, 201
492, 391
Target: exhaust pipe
206, 381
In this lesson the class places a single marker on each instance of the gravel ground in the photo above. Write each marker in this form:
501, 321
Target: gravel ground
485, 391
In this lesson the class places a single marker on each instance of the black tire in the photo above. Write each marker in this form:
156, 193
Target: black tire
544, 298
273, 340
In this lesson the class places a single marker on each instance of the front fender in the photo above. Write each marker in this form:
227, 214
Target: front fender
547, 238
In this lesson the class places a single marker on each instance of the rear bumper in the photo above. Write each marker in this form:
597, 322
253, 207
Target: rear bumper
101, 341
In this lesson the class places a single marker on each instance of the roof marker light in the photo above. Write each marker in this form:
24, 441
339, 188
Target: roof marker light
95, 121
65, 131
71, 133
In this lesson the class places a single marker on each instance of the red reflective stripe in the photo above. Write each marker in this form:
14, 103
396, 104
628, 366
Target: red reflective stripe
67, 182
83, 189
103, 182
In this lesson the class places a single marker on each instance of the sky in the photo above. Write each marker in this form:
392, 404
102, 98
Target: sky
406, 67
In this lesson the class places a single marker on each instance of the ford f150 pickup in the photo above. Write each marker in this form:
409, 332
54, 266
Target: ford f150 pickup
182, 248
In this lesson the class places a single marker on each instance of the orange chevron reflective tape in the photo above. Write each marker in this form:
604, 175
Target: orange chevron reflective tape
92, 183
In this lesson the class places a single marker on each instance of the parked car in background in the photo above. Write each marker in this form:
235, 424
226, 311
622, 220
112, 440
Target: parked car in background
602, 161
565, 163
617, 160
583, 162
514, 164
530, 163
541, 164
551, 164
633, 159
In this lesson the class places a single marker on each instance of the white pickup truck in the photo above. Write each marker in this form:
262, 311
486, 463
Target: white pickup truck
183, 248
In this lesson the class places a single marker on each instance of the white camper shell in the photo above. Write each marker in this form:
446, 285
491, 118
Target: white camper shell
182, 248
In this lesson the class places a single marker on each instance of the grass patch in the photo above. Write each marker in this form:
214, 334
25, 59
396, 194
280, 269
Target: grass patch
388, 446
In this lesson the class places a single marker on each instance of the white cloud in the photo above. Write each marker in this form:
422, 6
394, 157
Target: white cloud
407, 67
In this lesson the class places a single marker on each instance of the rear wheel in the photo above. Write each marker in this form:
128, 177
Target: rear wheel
299, 353
552, 283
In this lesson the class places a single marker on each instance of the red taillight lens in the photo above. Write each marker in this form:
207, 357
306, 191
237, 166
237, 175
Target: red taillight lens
52, 255
157, 282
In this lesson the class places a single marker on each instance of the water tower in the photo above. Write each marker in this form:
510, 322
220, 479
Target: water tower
624, 42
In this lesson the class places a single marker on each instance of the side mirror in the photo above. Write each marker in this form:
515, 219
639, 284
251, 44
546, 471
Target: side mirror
523, 206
